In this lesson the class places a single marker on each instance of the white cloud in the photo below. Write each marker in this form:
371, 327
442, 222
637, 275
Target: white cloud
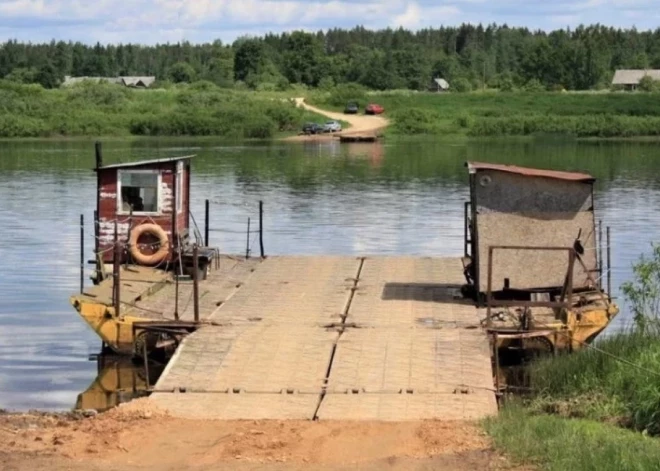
151, 21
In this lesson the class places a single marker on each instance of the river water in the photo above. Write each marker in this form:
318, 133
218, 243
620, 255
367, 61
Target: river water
401, 197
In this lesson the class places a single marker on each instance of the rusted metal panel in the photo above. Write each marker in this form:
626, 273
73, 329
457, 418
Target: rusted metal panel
531, 172
108, 197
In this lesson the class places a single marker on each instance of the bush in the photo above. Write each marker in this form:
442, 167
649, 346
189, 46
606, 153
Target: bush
643, 292
415, 121
461, 85
648, 84
534, 86
342, 94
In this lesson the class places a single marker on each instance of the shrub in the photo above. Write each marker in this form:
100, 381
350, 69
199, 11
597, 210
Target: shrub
534, 85
342, 94
461, 85
648, 84
643, 292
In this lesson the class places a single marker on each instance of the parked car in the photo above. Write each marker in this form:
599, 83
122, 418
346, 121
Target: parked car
373, 108
312, 128
351, 108
332, 126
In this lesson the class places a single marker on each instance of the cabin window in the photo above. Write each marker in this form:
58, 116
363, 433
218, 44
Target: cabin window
139, 191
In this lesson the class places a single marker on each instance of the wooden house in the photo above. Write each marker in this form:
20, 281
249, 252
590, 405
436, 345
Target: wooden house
528, 208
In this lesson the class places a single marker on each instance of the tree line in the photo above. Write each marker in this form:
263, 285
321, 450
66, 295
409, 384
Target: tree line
468, 57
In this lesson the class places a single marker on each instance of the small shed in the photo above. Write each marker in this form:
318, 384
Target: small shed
439, 85
526, 207
133, 194
630, 79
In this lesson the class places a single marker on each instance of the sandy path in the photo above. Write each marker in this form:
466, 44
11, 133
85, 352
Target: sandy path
138, 438
360, 123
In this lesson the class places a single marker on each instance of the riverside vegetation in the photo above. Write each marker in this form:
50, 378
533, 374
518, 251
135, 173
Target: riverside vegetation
599, 408
519, 113
99, 109
202, 108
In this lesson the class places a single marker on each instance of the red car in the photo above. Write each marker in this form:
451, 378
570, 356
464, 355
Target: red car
374, 109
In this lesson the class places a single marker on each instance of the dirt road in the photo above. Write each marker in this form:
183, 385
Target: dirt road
138, 437
359, 124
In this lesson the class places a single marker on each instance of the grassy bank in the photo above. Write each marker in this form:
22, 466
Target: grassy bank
108, 110
510, 114
556, 444
598, 408
621, 385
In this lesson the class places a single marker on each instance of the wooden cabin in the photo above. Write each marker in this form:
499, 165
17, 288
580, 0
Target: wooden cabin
137, 195
548, 210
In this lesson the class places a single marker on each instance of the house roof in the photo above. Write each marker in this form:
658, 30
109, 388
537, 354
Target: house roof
632, 77
138, 81
473, 167
442, 83
142, 163
127, 81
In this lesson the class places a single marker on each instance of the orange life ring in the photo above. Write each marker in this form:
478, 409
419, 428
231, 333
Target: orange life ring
156, 257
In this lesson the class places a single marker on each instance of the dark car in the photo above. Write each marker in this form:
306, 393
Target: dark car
351, 108
312, 128
373, 108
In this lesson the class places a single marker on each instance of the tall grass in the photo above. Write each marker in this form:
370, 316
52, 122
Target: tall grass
557, 444
604, 386
106, 109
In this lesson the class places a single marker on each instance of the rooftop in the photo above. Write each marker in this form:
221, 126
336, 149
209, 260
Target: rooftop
473, 167
632, 77
141, 163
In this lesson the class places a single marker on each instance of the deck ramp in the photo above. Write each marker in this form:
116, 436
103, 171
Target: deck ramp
381, 338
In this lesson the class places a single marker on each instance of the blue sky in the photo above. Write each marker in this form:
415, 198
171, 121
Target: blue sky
152, 21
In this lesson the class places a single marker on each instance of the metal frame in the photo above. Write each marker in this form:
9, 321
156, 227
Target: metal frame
567, 289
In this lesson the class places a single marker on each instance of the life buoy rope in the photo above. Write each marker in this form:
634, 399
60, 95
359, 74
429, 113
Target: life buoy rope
163, 242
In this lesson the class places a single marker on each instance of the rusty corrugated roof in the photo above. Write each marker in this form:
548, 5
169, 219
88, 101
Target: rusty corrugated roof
530, 172
141, 163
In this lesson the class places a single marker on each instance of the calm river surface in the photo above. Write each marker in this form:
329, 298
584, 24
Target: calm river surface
403, 197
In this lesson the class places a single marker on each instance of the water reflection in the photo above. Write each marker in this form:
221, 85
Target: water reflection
118, 380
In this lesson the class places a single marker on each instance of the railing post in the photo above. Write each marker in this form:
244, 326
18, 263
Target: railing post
206, 223
116, 272
82, 252
261, 228
196, 282
600, 254
609, 266
247, 246
176, 294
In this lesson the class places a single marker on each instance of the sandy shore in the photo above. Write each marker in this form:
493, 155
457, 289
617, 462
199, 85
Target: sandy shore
359, 123
136, 436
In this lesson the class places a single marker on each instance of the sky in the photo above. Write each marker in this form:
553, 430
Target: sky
158, 21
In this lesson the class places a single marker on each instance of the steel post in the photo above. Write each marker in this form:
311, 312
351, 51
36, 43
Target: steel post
196, 282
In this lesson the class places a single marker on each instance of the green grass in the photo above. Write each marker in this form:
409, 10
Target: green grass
557, 444
594, 385
602, 115
108, 110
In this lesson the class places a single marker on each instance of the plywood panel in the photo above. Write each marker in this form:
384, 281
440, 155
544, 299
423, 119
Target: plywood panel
532, 269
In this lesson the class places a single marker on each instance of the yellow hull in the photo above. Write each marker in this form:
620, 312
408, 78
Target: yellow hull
96, 305
116, 332
578, 330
